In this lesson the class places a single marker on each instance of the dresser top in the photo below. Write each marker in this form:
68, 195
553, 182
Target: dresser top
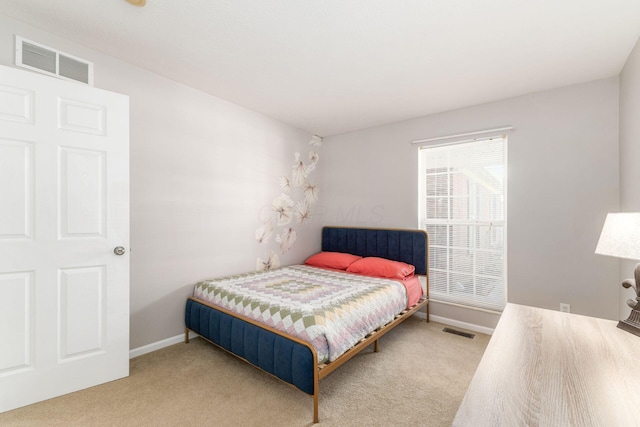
547, 368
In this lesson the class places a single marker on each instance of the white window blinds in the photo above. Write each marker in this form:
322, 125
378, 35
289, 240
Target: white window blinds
463, 208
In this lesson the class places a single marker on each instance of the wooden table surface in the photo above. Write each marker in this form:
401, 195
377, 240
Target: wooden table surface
547, 368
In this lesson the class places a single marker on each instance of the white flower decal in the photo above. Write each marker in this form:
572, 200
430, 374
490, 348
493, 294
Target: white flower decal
264, 233
300, 171
302, 212
315, 140
271, 263
310, 193
285, 184
313, 156
283, 206
313, 159
286, 239
296, 201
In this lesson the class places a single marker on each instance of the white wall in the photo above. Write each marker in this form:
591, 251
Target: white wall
203, 173
563, 179
629, 157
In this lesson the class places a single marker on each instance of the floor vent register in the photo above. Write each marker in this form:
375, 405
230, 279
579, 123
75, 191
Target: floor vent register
456, 332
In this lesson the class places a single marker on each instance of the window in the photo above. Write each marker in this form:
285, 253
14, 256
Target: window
462, 205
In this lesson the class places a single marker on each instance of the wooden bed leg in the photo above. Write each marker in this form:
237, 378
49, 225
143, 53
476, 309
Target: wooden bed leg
427, 312
316, 387
186, 335
375, 346
315, 408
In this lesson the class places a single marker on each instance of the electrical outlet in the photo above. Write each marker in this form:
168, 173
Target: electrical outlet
565, 308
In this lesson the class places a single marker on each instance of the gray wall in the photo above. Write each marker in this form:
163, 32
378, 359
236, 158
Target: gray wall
203, 172
203, 175
629, 157
562, 180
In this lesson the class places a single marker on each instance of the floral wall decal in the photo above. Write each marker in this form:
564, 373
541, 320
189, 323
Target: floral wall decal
272, 262
296, 201
283, 207
264, 233
300, 172
310, 193
285, 184
302, 212
286, 239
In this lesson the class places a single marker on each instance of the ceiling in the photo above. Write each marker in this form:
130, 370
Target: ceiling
332, 66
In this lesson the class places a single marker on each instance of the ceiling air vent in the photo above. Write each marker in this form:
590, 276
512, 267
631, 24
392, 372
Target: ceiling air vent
38, 57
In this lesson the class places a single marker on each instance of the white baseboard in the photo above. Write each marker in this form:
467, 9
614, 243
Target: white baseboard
159, 344
180, 338
457, 323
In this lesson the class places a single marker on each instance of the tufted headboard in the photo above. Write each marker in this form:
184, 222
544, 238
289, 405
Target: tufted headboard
410, 246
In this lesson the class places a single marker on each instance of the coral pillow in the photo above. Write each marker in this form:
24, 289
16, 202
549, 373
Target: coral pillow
337, 260
381, 267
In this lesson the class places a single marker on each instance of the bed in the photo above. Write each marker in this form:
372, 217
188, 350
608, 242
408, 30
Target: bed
277, 343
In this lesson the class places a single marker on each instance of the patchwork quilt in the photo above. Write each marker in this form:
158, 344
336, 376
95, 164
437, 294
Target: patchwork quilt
331, 310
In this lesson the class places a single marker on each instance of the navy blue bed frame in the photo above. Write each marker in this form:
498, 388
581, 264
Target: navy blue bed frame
286, 357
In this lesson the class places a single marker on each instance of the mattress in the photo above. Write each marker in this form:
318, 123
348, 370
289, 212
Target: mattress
332, 310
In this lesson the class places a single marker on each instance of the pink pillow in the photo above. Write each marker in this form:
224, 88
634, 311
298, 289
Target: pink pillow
337, 260
381, 267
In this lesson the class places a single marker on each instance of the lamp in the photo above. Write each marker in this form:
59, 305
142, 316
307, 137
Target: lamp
621, 238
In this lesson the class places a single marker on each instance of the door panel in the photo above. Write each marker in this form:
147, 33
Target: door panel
64, 206
82, 193
82, 310
16, 189
82, 117
16, 296
16, 104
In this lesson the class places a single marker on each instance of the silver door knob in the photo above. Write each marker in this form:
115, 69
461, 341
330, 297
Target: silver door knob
119, 250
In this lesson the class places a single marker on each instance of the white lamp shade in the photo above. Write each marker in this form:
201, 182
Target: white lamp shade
620, 236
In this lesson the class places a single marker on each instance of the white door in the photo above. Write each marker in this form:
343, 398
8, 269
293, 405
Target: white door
64, 207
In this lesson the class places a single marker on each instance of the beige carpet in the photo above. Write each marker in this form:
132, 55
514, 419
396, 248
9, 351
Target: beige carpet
418, 378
